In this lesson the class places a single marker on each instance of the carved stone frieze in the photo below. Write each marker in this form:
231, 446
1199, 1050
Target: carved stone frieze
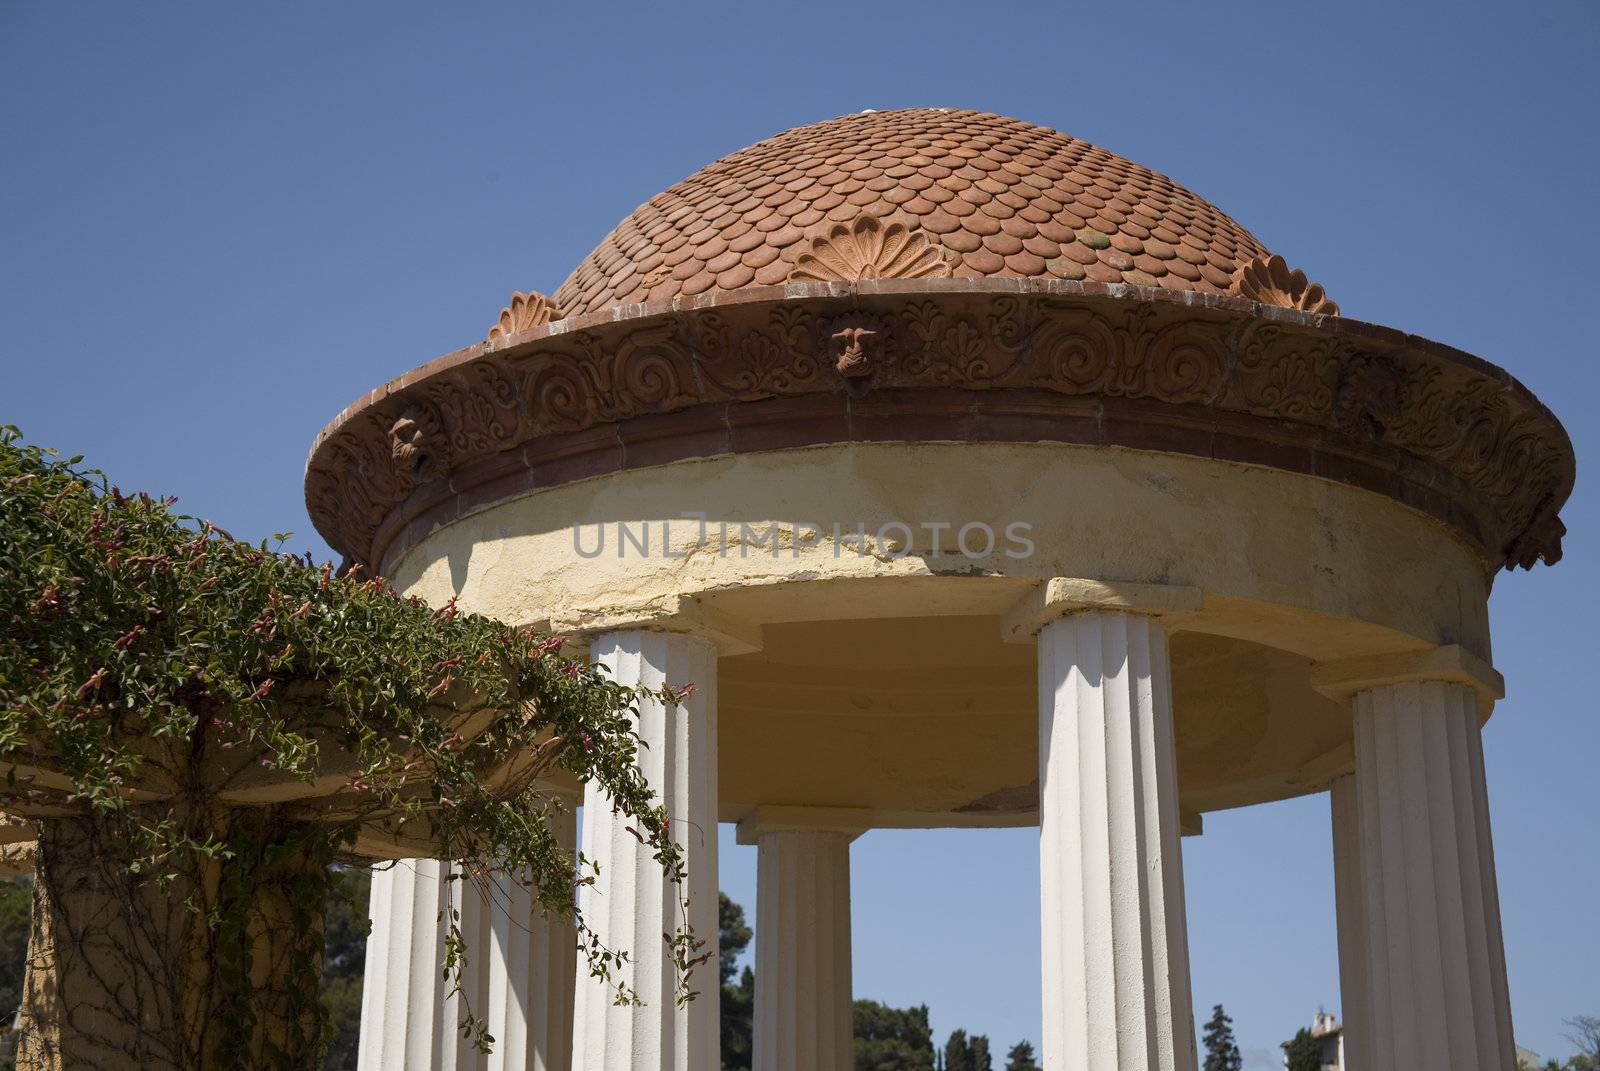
1476, 445
1371, 395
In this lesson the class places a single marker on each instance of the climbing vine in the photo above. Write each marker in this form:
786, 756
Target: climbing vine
200, 725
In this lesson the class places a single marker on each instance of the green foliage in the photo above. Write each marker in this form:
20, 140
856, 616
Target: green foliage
341, 997
892, 1039
738, 1001
733, 936
1302, 1052
145, 651
1021, 1058
962, 1053
1222, 1051
738, 1022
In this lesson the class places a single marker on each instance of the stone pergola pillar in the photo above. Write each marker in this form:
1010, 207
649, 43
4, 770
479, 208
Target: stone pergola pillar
518, 978
1114, 934
631, 904
1432, 961
803, 1009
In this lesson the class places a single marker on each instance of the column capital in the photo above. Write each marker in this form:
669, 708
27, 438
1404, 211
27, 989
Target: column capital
686, 615
1448, 664
851, 821
1063, 595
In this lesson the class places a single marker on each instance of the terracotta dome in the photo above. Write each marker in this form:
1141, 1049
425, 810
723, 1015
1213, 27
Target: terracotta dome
957, 193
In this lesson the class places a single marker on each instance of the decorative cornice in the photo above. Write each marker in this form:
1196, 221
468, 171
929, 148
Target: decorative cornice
1218, 377
1269, 281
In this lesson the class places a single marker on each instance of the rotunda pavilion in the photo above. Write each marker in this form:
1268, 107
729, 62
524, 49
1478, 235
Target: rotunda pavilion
976, 476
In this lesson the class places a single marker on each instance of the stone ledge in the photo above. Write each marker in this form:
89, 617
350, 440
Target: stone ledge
852, 821
1451, 663
1063, 595
681, 614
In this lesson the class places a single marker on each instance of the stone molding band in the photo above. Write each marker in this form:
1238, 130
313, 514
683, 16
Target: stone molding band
947, 360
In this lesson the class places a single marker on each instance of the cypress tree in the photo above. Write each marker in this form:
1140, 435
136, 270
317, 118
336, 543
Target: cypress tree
1222, 1052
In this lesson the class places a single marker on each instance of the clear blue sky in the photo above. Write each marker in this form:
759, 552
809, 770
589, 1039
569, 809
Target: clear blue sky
220, 227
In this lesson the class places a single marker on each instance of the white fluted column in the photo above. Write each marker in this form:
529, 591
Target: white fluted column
1114, 933
1435, 959
1348, 891
518, 976
631, 904
531, 960
803, 1012
408, 1012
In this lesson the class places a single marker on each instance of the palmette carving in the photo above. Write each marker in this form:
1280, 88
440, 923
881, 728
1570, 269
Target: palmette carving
523, 313
478, 404
1279, 377
777, 358
1478, 434
944, 350
869, 248
1270, 281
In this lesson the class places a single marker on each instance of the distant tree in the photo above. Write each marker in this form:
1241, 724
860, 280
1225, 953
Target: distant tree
958, 1052
1021, 1058
733, 936
1585, 1036
1222, 1052
738, 1001
892, 1039
979, 1050
1302, 1052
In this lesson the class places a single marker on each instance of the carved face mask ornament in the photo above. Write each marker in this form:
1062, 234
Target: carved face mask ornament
853, 340
416, 444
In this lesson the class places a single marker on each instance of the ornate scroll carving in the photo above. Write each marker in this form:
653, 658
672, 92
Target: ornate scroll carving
525, 312
1269, 281
869, 248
